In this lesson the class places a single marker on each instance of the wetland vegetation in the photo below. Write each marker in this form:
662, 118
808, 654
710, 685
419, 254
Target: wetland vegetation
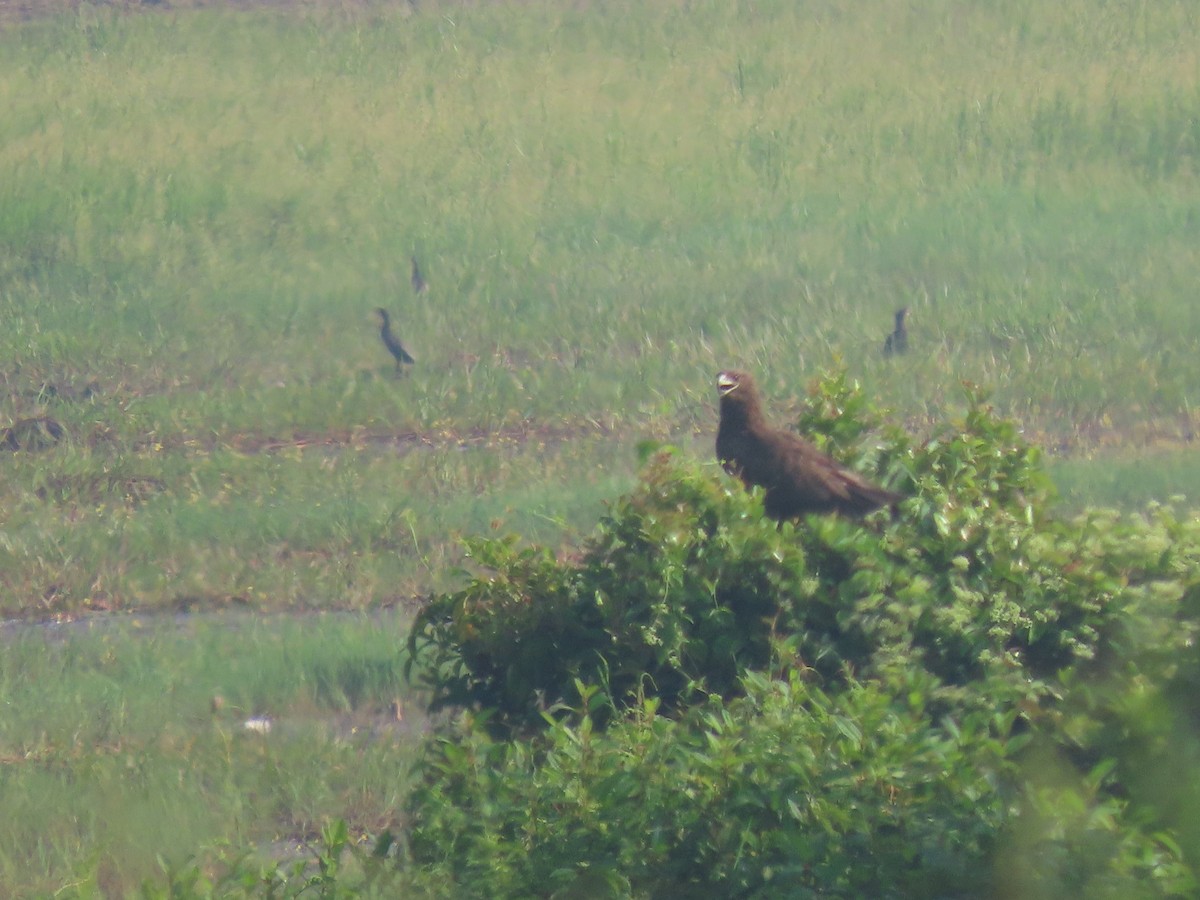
205, 205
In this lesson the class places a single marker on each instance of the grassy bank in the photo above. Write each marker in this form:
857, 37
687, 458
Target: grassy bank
127, 740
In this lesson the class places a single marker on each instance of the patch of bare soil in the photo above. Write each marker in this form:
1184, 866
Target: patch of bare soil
522, 434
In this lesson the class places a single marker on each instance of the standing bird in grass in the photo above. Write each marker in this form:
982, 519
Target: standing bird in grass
392, 343
796, 476
418, 282
897, 341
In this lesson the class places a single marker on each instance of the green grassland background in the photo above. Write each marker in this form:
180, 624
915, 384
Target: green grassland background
200, 208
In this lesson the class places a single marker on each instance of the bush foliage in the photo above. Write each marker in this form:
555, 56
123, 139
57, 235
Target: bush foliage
888, 707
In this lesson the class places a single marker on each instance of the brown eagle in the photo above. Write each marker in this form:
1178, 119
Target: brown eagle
797, 477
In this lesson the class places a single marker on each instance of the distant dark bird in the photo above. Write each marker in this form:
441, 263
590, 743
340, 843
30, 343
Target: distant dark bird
40, 433
390, 341
897, 341
797, 477
418, 282
66, 393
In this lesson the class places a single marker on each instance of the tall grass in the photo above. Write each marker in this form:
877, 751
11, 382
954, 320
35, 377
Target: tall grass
610, 202
203, 206
212, 202
1164, 476
116, 749
349, 527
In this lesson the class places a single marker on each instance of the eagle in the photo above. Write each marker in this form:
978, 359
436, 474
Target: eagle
796, 476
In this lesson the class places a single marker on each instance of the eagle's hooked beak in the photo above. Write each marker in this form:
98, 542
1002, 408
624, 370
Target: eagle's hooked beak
726, 383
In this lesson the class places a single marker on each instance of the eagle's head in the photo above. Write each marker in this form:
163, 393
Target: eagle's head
729, 381
740, 403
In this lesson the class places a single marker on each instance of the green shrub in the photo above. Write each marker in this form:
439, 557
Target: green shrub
664, 594
785, 791
683, 586
961, 700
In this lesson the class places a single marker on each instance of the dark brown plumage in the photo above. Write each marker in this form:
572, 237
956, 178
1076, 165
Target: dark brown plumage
897, 341
392, 343
797, 477
418, 283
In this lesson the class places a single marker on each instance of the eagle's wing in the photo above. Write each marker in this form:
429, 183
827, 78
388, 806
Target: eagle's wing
817, 482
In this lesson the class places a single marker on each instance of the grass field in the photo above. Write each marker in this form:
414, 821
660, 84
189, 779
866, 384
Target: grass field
202, 208
127, 740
